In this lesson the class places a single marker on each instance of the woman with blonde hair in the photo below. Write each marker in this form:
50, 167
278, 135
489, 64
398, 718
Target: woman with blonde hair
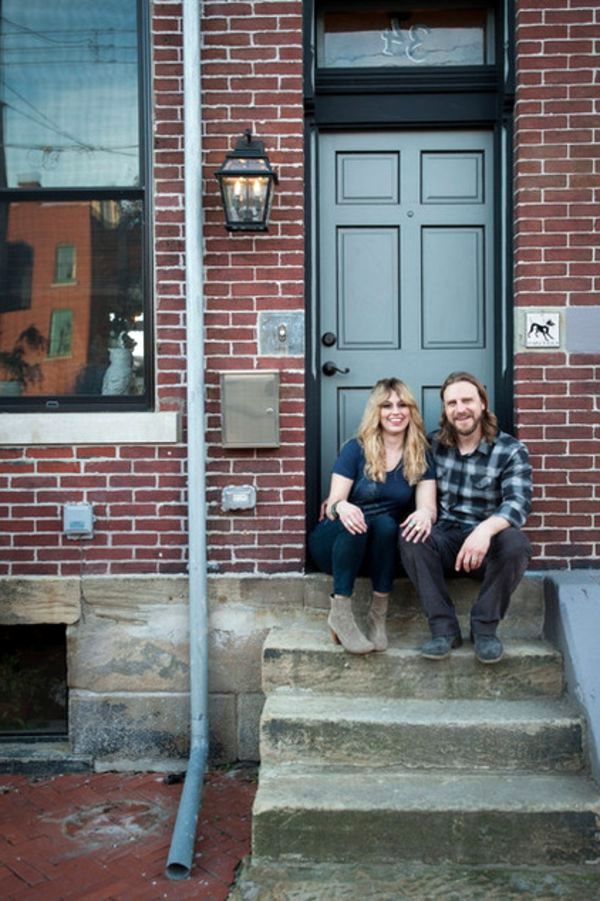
383, 480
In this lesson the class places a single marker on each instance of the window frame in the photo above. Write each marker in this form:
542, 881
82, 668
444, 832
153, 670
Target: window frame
143, 193
490, 39
58, 264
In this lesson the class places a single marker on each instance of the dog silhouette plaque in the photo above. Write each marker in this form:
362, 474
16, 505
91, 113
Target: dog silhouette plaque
542, 329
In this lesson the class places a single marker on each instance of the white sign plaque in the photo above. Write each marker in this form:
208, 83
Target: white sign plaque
542, 329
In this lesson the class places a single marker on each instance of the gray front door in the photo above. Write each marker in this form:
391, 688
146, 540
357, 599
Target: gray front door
406, 268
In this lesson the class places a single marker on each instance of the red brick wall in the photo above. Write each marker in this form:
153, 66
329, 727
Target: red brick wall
252, 53
138, 492
557, 264
252, 78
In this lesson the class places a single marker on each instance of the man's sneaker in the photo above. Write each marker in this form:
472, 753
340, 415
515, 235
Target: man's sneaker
440, 647
488, 648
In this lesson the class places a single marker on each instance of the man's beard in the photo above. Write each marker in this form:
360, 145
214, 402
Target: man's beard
475, 423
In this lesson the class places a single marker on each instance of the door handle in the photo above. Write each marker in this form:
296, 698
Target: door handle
330, 368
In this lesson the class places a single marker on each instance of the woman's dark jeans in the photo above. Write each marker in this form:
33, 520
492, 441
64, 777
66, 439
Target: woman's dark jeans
336, 551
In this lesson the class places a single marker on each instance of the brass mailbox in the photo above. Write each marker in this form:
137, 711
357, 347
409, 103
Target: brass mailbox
250, 409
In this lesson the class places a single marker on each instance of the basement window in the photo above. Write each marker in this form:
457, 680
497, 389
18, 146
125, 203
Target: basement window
33, 681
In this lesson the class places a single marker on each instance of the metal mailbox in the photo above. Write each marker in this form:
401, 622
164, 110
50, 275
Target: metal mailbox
250, 409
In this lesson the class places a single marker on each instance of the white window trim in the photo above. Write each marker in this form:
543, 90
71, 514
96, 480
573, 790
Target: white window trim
29, 429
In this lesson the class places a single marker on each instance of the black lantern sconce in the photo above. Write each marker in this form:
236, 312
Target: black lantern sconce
246, 180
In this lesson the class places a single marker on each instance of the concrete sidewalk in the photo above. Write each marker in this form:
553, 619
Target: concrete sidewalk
107, 836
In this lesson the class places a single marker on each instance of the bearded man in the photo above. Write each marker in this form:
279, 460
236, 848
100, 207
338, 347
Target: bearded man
484, 497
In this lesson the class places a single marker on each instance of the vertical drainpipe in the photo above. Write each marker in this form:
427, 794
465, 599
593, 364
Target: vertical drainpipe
179, 862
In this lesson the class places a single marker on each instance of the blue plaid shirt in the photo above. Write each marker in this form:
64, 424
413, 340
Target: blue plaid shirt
493, 480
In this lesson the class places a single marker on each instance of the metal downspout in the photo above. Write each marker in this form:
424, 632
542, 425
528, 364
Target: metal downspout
179, 862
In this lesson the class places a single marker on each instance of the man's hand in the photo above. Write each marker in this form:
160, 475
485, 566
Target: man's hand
473, 550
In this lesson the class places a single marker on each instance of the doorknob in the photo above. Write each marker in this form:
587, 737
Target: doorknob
330, 368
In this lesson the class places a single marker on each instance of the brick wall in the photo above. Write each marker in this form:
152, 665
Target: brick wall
557, 261
138, 492
252, 78
252, 56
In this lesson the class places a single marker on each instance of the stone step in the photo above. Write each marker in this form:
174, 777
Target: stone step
282, 881
538, 734
383, 816
525, 618
308, 658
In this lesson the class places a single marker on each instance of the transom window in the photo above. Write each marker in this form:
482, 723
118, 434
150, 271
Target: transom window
408, 35
74, 286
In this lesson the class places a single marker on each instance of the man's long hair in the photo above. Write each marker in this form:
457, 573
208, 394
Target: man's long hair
370, 433
489, 423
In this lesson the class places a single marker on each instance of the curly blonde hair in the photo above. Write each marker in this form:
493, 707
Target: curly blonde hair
370, 434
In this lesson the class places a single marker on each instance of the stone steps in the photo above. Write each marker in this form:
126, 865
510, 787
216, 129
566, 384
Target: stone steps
435, 816
371, 760
538, 734
307, 658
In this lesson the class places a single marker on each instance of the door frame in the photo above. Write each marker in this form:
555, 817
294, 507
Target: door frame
343, 100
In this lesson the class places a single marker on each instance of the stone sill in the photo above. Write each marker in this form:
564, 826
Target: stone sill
27, 429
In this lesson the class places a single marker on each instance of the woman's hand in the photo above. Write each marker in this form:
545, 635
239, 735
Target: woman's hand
417, 526
351, 517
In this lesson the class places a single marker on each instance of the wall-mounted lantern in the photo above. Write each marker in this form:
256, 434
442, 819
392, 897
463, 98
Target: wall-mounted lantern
246, 180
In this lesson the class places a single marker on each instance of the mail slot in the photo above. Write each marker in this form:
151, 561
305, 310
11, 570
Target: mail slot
250, 409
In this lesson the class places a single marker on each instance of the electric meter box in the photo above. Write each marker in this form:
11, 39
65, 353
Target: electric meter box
78, 520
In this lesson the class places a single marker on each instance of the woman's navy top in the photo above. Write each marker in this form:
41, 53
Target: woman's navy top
394, 496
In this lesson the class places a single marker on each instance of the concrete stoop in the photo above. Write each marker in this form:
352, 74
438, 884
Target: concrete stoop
394, 761
418, 882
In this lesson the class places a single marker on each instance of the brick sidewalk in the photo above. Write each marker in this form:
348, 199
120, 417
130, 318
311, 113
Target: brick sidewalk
107, 836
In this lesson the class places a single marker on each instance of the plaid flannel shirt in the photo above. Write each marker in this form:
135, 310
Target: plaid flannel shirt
494, 480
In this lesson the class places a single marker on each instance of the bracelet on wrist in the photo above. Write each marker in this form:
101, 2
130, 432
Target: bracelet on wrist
333, 511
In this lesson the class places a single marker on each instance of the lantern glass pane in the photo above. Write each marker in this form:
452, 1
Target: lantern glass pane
246, 198
245, 165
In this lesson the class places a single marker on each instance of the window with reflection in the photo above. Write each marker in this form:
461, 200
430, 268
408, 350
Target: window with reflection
408, 35
74, 301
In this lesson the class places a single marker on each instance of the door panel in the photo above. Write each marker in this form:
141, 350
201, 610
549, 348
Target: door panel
453, 297
368, 257
405, 268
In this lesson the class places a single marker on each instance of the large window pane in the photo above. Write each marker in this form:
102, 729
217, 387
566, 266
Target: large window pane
69, 93
82, 333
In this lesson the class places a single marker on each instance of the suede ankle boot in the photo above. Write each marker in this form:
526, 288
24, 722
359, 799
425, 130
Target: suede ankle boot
343, 626
376, 621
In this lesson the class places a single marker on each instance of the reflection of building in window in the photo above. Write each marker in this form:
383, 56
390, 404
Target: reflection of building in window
73, 264
64, 264
15, 276
61, 333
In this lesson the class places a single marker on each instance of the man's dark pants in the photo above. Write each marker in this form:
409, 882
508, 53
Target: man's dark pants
427, 563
